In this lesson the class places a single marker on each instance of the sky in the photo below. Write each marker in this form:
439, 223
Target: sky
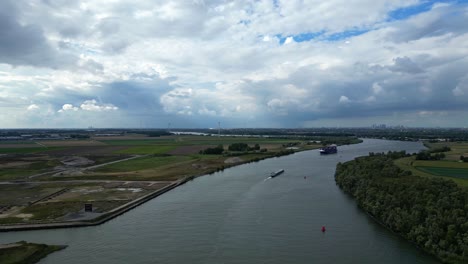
194, 63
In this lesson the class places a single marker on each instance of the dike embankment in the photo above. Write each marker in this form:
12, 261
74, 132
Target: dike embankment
101, 219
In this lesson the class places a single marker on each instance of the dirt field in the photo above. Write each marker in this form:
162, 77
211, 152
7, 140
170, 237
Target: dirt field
125, 137
233, 160
29, 145
70, 143
86, 150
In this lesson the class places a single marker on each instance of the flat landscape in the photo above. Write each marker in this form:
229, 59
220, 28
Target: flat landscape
50, 181
449, 167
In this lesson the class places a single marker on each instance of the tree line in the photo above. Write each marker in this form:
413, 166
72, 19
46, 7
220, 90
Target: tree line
430, 212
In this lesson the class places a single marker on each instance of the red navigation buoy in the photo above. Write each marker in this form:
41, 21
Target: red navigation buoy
305, 177
323, 229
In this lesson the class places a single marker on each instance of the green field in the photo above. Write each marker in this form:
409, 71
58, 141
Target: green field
440, 163
8, 174
461, 173
25, 150
196, 140
449, 168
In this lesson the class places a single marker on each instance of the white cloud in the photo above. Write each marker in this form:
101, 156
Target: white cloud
33, 107
289, 40
344, 99
223, 59
92, 105
68, 107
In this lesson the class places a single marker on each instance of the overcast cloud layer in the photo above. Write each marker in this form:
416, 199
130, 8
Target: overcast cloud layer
284, 63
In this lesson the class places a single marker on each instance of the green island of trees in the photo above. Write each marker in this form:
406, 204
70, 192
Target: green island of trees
430, 212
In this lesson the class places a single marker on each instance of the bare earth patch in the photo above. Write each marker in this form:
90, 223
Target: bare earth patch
76, 161
124, 137
70, 143
24, 215
87, 150
15, 164
233, 160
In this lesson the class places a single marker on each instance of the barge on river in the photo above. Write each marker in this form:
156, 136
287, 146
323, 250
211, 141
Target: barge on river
330, 149
274, 174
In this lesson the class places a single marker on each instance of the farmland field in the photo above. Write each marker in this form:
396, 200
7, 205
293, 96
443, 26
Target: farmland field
25, 150
449, 168
444, 171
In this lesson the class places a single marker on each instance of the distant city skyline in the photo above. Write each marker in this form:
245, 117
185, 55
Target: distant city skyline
192, 64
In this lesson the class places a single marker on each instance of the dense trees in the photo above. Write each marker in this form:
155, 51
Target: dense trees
213, 151
243, 147
431, 212
425, 155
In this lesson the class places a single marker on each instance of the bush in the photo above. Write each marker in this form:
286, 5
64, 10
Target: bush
213, 151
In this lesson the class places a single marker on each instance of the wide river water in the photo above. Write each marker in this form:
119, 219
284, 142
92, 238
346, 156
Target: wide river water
240, 216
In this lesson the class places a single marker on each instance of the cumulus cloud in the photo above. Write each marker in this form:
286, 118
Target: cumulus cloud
25, 43
92, 105
68, 107
33, 107
405, 65
344, 99
88, 105
289, 40
282, 63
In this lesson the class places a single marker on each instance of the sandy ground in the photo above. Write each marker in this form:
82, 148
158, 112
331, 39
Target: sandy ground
15, 164
76, 161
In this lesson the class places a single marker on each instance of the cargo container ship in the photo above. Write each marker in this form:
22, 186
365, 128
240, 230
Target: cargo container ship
330, 149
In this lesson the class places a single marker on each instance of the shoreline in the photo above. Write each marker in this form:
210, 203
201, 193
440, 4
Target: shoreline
139, 201
101, 219
130, 205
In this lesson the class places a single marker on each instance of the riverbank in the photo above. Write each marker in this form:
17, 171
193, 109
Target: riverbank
210, 219
101, 219
428, 212
63, 198
128, 206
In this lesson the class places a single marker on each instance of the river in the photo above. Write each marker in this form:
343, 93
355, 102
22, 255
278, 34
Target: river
240, 216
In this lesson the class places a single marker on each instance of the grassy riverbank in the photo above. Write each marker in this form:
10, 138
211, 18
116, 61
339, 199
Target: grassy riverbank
25, 253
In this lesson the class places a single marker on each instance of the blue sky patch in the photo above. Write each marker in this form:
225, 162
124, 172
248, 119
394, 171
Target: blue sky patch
406, 12
346, 34
321, 35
